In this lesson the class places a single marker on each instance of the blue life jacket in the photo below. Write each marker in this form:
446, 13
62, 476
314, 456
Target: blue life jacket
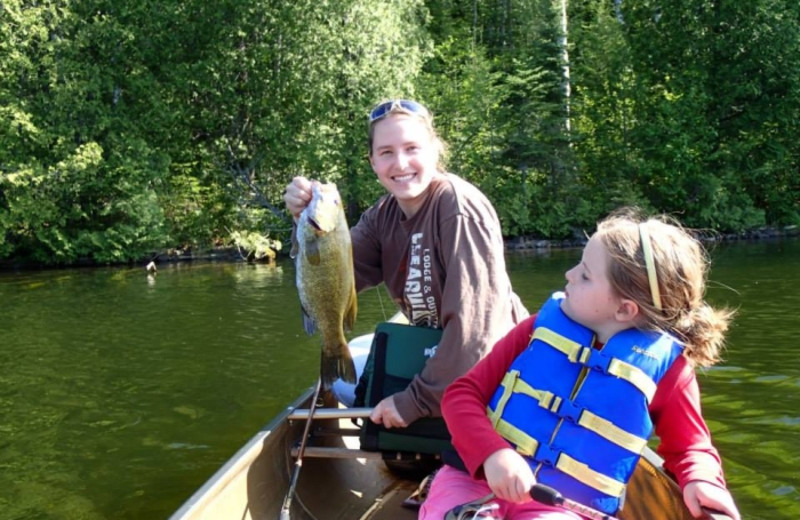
580, 415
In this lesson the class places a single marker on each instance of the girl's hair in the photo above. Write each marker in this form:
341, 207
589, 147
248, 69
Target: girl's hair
680, 264
392, 107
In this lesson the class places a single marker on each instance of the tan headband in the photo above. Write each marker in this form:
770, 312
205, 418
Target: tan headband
650, 263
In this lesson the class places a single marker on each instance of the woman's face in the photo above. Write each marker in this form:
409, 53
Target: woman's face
404, 156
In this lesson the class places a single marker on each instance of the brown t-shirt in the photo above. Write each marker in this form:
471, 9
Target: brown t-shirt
445, 268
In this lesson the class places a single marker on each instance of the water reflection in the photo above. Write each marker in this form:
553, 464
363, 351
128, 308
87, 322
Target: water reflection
121, 393
755, 399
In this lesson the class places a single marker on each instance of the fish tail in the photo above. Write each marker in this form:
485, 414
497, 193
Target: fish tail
337, 366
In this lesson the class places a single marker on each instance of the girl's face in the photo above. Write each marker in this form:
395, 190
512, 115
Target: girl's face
404, 157
590, 299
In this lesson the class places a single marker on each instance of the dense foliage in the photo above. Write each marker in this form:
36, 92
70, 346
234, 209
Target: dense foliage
129, 127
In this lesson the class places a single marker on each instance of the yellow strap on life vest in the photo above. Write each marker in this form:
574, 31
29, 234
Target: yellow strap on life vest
527, 445
612, 432
634, 376
508, 388
547, 400
570, 348
512, 384
583, 473
577, 353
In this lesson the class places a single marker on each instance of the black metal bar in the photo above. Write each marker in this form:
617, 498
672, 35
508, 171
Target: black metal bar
298, 463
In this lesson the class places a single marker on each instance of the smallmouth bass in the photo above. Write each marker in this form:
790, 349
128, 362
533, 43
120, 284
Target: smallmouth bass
323, 255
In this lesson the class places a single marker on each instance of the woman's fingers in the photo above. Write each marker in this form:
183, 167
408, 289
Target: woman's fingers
297, 195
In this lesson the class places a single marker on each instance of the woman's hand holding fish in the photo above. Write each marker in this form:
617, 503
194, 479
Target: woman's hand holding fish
386, 413
297, 195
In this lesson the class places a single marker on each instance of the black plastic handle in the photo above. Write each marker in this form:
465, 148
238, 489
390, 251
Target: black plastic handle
546, 495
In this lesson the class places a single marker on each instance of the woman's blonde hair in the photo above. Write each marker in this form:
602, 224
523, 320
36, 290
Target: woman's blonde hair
392, 107
679, 269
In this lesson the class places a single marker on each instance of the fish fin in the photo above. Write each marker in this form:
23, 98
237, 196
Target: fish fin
335, 367
312, 252
309, 325
347, 370
295, 244
351, 311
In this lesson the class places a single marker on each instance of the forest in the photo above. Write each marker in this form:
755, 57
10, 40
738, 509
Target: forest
132, 127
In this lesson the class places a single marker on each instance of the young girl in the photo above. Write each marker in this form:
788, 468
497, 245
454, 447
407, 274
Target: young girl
570, 396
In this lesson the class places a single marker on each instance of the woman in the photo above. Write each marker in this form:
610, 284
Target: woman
435, 241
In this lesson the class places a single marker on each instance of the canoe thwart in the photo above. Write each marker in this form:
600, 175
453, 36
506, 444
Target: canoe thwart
330, 413
336, 453
335, 433
349, 453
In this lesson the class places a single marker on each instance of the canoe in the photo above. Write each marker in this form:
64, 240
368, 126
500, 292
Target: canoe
338, 481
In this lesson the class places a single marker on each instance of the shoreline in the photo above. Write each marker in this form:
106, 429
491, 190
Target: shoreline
755, 235
516, 244
525, 244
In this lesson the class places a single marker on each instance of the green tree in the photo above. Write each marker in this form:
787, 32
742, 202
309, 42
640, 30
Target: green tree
127, 127
283, 89
709, 90
78, 182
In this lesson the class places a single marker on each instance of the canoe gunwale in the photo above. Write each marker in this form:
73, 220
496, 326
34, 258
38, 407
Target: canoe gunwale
238, 463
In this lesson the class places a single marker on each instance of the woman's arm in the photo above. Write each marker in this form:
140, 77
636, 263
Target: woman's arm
367, 250
477, 307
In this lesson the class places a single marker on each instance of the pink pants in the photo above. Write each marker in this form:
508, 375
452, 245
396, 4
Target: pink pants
452, 487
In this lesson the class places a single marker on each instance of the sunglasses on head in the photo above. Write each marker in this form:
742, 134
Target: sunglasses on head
397, 104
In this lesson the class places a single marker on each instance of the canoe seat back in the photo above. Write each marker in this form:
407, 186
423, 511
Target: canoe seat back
397, 354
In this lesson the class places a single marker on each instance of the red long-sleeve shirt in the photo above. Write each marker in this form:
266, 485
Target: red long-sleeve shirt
675, 410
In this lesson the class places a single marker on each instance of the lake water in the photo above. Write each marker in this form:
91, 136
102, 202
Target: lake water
120, 393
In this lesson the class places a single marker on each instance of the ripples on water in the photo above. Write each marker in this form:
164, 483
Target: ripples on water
753, 400
120, 394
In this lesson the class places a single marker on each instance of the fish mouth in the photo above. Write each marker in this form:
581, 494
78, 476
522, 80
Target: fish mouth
315, 224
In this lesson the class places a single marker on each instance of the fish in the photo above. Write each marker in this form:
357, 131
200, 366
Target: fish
323, 256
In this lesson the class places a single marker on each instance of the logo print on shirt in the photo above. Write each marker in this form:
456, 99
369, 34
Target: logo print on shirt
418, 290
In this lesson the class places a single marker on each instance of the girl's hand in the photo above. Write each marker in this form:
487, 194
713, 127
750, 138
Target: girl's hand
297, 195
386, 413
698, 493
509, 476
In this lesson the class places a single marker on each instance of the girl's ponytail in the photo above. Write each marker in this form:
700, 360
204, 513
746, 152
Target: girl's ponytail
678, 269
702, 330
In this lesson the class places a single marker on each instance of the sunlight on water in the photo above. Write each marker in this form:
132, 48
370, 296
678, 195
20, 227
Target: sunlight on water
121, 393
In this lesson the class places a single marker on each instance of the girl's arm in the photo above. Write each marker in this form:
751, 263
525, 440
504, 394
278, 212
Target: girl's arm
464, 402
685, 439
686, 442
